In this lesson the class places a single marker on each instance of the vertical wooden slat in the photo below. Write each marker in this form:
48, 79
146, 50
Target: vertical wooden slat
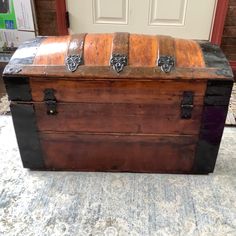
120, 44
97, 49
76, 45
143, 50
166, 46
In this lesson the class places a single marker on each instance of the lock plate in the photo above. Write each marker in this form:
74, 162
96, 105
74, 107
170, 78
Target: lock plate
50, 101
187, 105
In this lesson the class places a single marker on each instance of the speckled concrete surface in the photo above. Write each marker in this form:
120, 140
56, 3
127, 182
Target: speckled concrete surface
52, 203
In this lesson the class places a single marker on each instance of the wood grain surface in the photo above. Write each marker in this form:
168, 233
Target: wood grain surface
156, 118
143, 52
76, 45
172, 154
52, 51
98, 49
127, 121
128, 91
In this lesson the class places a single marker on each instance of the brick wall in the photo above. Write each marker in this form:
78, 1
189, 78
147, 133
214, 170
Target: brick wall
46, 17
229, 36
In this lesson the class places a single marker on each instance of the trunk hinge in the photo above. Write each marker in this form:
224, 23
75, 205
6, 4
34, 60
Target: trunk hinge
187, 105
50, 101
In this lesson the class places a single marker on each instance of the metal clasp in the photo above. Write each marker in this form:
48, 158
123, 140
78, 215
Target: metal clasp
167, 63
187, 105
73, 62
50, 101
118, 62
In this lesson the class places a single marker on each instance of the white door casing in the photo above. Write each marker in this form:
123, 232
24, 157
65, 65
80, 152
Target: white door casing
178, 18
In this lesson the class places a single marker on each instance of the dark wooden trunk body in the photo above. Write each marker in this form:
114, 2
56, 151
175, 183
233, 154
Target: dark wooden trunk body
128, 122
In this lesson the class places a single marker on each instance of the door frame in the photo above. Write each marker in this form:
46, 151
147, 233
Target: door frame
61, 12
217, 29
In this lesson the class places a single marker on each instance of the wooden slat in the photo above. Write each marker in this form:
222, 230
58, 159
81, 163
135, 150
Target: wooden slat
119, 118
143, 50
52, 51
120, 44
91, 152
188, 54
166, 46
117, 91
76, 45
98, 49
106, 72
143, 54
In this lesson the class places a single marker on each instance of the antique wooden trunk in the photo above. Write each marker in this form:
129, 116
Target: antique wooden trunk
119, 102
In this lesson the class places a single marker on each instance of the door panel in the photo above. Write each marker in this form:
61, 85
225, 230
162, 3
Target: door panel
179, 18
162, 14
110, 12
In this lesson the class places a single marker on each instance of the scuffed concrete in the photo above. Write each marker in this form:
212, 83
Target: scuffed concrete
67, 204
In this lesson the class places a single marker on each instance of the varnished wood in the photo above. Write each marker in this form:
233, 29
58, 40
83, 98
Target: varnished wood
127, 121
166, 46
98, 73
120, 44
143, 51
52, 51
185, 49
98, 49
76, 45
91, 152
128, 91
157, 118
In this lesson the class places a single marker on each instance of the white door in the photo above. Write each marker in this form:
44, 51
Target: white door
179, 18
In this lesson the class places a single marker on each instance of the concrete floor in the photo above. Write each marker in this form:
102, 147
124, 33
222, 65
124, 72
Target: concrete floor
67, 204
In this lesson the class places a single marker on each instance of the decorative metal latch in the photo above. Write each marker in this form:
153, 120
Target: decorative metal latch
166, 63
187, 105
73, 62
50, 101
118, 62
